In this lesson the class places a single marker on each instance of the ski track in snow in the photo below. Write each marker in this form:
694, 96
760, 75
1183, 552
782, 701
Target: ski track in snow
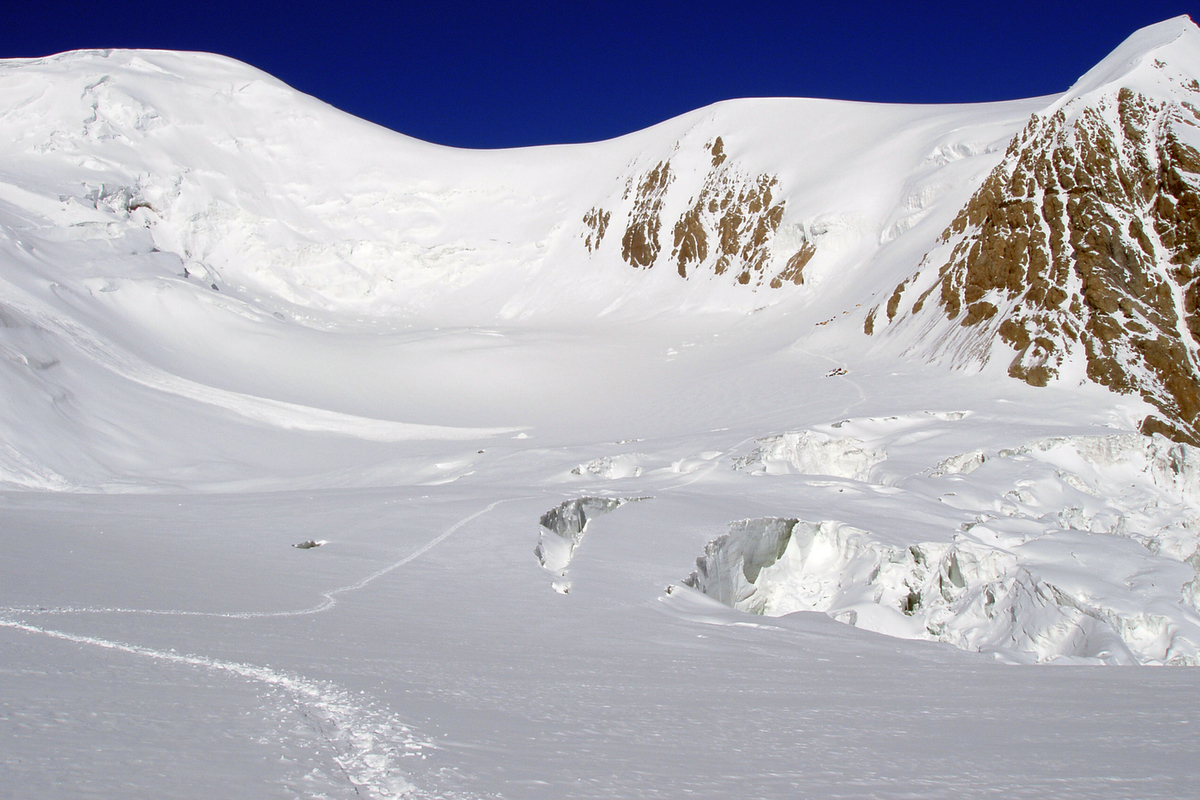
330, 596
366, 741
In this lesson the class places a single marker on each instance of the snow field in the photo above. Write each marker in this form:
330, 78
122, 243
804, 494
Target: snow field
616, 688
234, 320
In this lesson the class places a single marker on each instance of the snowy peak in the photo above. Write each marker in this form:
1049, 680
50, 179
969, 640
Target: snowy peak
1138, 62
258, 189
156, 207
1079, 252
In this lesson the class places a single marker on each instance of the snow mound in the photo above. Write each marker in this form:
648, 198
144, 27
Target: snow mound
1143, 488
961, 464
1107, 463
612, 467
811, 453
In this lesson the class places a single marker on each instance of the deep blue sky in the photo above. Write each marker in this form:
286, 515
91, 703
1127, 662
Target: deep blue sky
508, 74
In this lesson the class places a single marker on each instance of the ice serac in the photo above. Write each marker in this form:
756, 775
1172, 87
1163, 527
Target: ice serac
731, 564
811, 453
1081, 547
562, 530
1082, 246
977, 598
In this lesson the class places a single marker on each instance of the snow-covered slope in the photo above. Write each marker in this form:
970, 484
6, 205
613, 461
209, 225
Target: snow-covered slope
184, 224
1079, 251
236, 323
255, 187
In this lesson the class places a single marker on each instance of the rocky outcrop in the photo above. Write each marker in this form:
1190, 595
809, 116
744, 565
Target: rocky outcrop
1085, 242
640, 244
728, 226
597, 225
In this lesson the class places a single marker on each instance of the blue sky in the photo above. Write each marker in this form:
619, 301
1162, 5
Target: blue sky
511, 74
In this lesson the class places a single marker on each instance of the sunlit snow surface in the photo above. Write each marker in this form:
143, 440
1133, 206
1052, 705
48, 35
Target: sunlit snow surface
234, 322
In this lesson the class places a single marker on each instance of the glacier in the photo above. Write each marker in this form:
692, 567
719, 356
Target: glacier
321, 443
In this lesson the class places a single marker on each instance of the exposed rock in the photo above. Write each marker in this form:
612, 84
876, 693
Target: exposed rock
718, 152
640, 245
869, 322
728, 226
596, 221
794, 271
1085, 240
738, 217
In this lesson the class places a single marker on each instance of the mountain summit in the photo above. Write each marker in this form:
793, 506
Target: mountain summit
1057, 235
1082, 244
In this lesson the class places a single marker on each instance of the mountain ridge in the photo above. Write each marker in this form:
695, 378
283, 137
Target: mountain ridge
191, 218
1083, 240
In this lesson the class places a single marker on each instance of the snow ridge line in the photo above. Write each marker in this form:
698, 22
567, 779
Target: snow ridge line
330, 596
362, 739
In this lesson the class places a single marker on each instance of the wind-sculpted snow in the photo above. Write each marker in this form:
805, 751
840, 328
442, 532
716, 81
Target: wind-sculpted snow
1079, 548
811, 453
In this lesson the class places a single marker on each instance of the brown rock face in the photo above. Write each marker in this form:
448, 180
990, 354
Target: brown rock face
1085, 240
597, 225
737, 215
794, 271
639, 245
729, 226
